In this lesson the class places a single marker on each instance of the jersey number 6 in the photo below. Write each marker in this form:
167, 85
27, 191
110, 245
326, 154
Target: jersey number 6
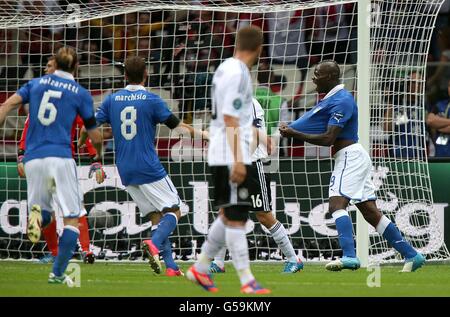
47, 110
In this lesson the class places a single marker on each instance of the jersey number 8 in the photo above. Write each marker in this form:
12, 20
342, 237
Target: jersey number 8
128, 118
47, 110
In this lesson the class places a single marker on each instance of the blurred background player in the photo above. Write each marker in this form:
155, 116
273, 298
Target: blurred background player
334, 122
133, 114
50, 233
229, 159
439, 122
54, 102
261, 198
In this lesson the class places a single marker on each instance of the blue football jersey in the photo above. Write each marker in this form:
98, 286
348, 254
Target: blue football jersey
442, 108
133, 114
338, 109
54, 102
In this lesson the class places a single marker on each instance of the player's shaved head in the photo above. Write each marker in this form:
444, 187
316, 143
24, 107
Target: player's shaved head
66, 59
326, 76
135, 69
332, 68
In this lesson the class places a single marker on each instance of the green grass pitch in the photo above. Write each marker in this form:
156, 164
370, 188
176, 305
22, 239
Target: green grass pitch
136, 279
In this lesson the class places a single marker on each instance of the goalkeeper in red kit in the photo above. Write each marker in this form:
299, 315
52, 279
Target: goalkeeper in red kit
50, 234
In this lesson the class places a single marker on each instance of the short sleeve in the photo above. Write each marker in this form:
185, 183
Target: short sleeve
102, 114
161, 111
258, 114
24, 92
234, 98
297, 124
86, 107
341, 112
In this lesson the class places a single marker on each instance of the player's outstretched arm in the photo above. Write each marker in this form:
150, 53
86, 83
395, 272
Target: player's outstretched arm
193, 131
445, 130
173, 122
324, 139
260, 137
11, 103
97, 141
21, 152
238, 171
437, 122
83, 137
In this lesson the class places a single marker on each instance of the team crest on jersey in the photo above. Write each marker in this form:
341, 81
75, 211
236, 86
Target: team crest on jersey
237, 103
337, 116
243, 193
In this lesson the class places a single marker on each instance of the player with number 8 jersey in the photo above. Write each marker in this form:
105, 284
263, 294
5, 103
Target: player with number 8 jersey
134, 113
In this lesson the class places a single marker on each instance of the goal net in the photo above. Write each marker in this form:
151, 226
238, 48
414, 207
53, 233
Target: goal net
183, 42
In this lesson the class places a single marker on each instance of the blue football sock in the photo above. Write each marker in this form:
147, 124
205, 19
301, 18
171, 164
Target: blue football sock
46, 218
66, 246
395, 239
345, 230
166, 225
166, 253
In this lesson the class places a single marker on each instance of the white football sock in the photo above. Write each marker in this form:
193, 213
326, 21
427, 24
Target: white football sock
382, 225
238, 247
214, 242
219, 259
279, 234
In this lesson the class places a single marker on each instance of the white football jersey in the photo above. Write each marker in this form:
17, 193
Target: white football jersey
259, 122
231, 95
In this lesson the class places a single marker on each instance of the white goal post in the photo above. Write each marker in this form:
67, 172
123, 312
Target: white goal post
363, 101
382, 49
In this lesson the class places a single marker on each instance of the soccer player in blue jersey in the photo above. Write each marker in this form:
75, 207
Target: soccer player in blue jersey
54, 102
133, 114
334, 122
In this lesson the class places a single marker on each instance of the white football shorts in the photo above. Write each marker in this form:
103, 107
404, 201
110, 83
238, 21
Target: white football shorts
83, 211
54, 180
352, 175
154, 196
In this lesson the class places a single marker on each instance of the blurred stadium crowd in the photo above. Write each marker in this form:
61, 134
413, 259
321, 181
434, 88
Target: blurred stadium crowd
183, 48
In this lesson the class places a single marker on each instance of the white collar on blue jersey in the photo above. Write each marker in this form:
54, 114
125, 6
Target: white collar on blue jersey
63, 74
333, 91
135, 87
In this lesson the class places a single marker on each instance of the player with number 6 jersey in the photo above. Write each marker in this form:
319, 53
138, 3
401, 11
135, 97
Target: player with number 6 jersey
54, 102
50, 231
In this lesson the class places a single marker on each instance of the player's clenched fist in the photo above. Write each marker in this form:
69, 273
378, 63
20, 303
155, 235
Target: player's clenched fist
97, 169
238, 173
285, 130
